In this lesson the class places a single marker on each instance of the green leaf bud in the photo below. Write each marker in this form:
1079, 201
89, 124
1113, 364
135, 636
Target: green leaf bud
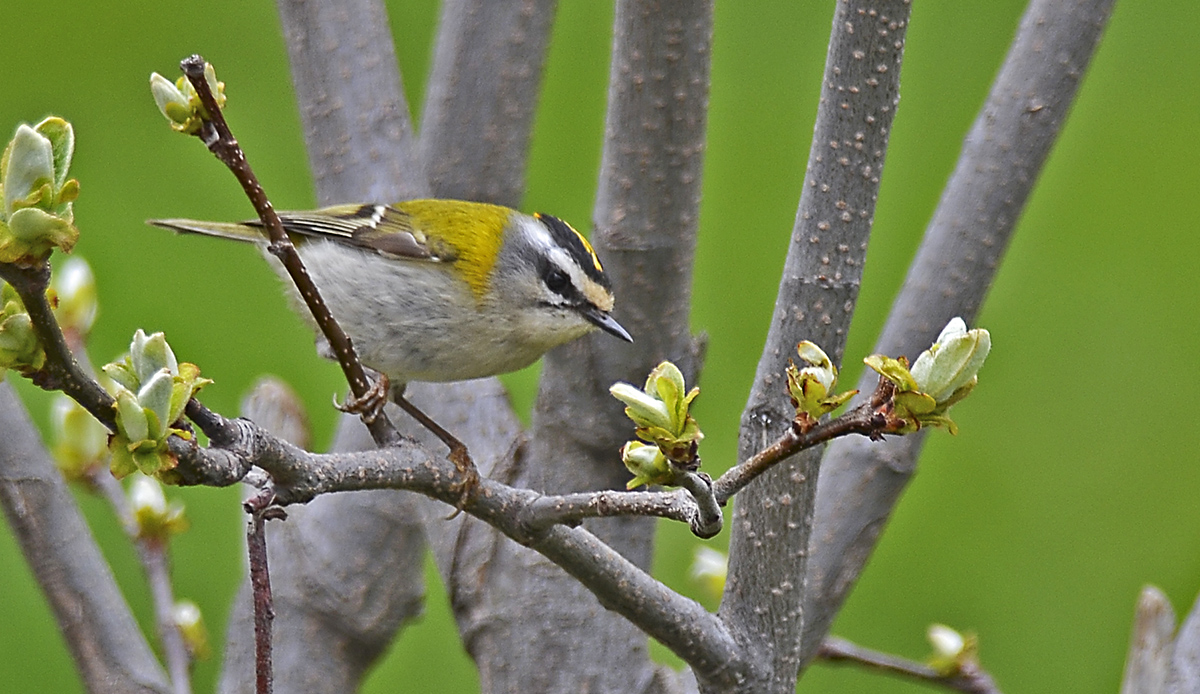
953, 361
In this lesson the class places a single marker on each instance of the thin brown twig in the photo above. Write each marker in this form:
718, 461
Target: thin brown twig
970, 678
866, 419
260, 510
219, 139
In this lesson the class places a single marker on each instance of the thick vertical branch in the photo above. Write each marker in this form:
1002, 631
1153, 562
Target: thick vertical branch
104, 639
483, 91
772, 520
1184, 676
646, 218
356, 119
1000, 162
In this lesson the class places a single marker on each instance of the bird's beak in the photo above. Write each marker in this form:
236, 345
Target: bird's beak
605, 322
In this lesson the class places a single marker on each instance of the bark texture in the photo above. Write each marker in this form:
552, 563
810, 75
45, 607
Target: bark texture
105, 641
1002, 156
772, 518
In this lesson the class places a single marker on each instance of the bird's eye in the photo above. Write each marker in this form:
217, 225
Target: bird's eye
557, 281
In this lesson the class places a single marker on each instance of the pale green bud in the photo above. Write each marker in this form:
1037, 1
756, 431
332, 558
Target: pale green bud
647, 464
155, 398
28, 167
80, 440
710, 568
819, 365
155, 518
36, 212
190, 622
953, 361
75, 286
150, 353
946, 642
811, 387
952, 651
131, 418
120, 374
645, 410
172, 102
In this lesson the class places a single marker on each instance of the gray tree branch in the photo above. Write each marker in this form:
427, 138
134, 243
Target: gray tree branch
645, 222
482, 96
1000, 162
1151, 645
772, 519
356, 119
1184, 676
105, 641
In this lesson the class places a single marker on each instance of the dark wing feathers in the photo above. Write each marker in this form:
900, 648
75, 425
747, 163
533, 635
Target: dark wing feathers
378, 228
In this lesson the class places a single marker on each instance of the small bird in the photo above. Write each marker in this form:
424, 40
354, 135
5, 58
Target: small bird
443, 290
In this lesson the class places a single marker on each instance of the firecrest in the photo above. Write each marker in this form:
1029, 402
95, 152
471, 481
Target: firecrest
444, 290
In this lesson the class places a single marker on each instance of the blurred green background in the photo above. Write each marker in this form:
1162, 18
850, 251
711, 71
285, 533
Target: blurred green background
1066, 489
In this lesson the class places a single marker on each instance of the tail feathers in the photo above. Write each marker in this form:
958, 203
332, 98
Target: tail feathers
232, 231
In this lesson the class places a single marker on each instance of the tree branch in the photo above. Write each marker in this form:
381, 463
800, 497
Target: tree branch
645, 223
356, 120
950, 275
970, 678
482, 96
815, 302
104, 639
1151, 645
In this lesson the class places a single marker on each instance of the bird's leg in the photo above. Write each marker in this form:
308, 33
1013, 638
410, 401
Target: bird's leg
370, 406
468, 482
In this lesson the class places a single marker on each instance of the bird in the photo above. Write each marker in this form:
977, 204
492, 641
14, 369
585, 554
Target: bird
440, 290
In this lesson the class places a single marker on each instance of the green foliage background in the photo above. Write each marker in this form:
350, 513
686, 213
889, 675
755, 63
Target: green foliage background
1068, 488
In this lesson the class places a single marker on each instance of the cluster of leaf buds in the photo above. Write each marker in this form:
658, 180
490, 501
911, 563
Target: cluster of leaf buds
20, 348
36, 215
811, 387
670, 433
151, 389
180, 103
941, 376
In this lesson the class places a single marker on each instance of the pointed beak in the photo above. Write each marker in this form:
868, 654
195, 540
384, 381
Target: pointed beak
605, 322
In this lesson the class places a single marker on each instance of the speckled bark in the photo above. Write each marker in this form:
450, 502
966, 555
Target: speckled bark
645, 224
772, 518
1184, 675
356, 119
999, 165
483, 92
104, 639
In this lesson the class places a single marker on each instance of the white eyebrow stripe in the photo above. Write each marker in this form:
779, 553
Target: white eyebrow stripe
597, 295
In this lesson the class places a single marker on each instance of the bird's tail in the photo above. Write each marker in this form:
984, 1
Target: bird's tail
226, 230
